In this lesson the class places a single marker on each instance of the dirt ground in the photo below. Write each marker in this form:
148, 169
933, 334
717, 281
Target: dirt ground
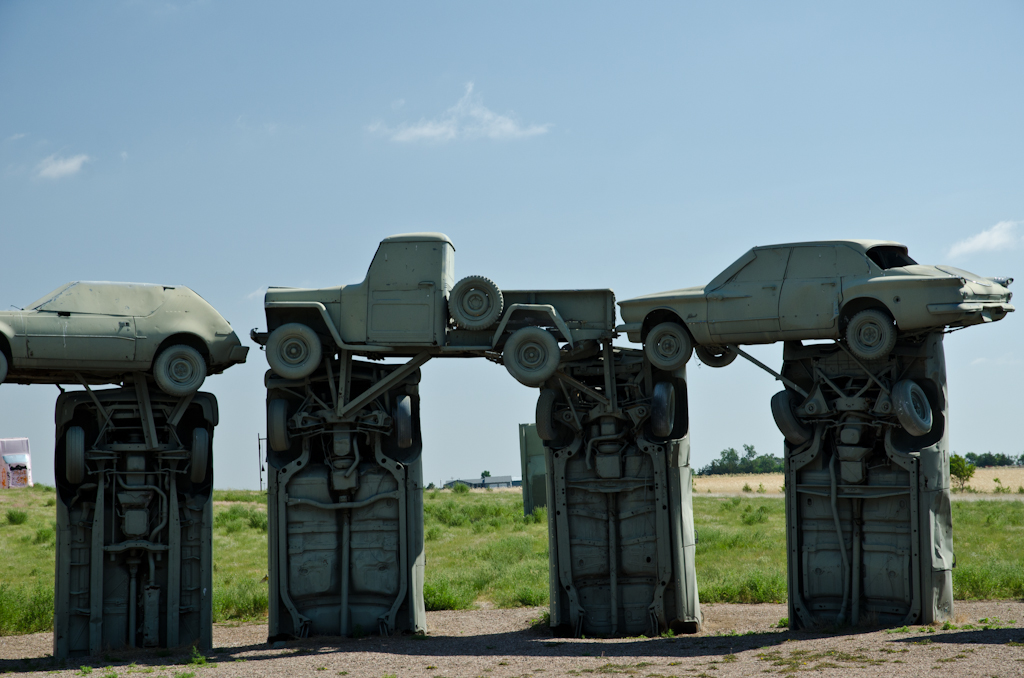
738, 640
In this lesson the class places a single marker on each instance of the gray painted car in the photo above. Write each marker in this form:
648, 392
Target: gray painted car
97, 332
863, 291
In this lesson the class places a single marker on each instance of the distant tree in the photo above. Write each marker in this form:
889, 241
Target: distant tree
730, 461
961, 469
990, 459
431, 486
485, 474
460, 488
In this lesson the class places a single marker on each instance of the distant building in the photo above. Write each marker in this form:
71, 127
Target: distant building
15, 463
476, 483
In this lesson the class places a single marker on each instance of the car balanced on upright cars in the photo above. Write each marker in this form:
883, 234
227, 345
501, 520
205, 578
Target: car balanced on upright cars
862, 292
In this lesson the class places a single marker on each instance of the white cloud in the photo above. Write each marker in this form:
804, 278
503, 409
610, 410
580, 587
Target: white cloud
256, 294
1001, 236
55, 168
124, 155
1005, 360
467, 119
15, 137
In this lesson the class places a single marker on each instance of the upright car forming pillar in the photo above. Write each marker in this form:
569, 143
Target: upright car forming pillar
345, 500
620, 519
134, 485
868, 519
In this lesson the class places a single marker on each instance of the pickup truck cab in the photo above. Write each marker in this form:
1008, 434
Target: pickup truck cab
410, 305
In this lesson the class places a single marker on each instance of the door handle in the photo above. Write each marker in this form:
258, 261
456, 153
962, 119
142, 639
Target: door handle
833, 284
768, 287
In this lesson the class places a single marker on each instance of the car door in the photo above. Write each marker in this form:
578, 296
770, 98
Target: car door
746, 307
810, 298
61, 337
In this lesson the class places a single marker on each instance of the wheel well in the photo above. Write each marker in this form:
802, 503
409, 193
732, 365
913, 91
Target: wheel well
5, 347
855, 306
187, 339
658, 316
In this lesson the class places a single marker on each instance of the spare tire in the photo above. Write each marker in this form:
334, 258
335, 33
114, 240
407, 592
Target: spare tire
200, 455
294, 351
475, 303
277, 425
74, 455
792, 428
531, 355
912, 407
663, 409
715, 356
403, 421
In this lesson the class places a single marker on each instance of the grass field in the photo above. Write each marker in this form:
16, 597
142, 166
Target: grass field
481, 551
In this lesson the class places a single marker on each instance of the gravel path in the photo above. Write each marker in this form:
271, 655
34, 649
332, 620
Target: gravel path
739, 640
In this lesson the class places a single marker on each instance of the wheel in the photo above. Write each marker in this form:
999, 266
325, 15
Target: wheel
277, 425
871, 334
3, 367
547, 427
668, 346
403, 421
294, 351
200, 455
179, 370
531, 355
912, 407
74, 455
791, 427
475, 303
715, 356
663, 409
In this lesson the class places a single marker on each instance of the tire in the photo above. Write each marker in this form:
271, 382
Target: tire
531, 355
912, 407
792, 429
475, 303
200, 455
403, 421
715, 356
294, 351
668, 346
871, 334
663, 409
74, 455
179, 370
547, 427
3, 367
277, 425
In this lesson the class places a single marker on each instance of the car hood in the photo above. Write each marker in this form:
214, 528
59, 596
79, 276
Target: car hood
633, 310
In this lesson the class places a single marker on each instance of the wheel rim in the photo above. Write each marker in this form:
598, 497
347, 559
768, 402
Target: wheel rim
294, 351
531, 356
475, 303
182, 369
869, 335
919, 405
668, 347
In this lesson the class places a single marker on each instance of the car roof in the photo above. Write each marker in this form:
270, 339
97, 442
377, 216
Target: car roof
861, 244
105, 298
419, 237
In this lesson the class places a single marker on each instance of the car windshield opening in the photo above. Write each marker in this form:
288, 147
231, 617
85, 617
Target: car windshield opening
890, 256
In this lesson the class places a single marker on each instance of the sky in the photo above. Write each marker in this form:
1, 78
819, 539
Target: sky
228, 146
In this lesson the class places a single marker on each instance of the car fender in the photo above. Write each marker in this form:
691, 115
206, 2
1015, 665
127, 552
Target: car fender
692, 314
906, 299
9, 341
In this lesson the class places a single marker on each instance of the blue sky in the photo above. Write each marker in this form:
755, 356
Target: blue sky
228, 146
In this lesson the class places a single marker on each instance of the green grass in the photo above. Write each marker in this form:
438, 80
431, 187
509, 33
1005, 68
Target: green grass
480, 548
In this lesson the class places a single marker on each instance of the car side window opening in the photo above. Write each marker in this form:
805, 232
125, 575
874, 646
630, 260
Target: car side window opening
812, 262
890, 256
850, 262
770, 264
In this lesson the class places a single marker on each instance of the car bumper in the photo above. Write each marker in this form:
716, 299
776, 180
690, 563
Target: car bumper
238, 354
632, 331
971, 312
